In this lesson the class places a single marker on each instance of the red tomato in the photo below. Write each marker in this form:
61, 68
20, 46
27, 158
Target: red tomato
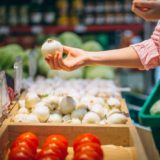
86, 138
31, 136
90, 147
21, 153
87, 155
59, 137
48, 157
25, 142
56, 144
48, 151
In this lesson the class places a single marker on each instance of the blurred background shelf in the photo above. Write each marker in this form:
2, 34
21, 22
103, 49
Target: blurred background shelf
78, 28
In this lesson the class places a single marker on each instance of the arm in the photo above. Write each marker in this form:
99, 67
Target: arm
144, 55
124, 58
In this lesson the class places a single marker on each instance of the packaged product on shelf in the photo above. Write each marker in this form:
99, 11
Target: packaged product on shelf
117, 6
109, 18
2, 15
24, 15
108, 6
89, 19
36, 13
100, 8
13, 16
63, 19
100, 19
49, 15
89, 7
4, 96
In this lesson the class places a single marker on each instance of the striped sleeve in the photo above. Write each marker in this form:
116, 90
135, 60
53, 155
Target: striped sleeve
149, 50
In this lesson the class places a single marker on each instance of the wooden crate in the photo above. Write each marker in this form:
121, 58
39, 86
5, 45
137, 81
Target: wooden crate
119, 142
127, 145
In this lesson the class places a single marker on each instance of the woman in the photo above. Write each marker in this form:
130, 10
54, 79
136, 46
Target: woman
144, 55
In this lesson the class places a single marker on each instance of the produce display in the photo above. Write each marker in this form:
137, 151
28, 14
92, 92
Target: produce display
55, 147
9, 53
71, 101
87, 146
24, 147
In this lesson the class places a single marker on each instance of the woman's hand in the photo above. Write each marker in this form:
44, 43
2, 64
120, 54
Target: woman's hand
149, 10
75, 58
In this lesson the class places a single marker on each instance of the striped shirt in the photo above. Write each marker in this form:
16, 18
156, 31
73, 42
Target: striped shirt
149, 50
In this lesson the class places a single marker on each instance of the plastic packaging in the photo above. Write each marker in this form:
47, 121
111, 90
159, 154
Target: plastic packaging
18, 75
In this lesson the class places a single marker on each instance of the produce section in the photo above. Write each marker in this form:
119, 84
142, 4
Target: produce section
71, 104
113, 145
85, 114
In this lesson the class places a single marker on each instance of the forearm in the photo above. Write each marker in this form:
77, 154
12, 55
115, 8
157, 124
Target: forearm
123, 58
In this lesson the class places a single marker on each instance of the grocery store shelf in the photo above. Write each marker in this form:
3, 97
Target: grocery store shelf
78, 29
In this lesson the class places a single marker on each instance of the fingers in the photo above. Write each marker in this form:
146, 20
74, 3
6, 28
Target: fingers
144, 4
66, 49
61, 63
137, 11
52, 61
56, 62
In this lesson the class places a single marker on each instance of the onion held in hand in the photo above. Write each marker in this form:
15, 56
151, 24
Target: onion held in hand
51, 47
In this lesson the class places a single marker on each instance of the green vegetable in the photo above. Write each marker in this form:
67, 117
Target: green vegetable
52, 73
70, 39
43, 67
8, 55
71, 75
155, 109
92, 46
99, 72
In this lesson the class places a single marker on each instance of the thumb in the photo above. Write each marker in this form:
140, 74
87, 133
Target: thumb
66, 49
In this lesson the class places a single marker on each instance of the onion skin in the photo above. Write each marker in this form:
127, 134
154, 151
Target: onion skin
51, 47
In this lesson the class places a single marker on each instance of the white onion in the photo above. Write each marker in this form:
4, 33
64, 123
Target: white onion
31, 100
22, 103
114, 102
79, 113
19, 117
32, 118
51, 47
75, 121
91, 117
23, 110
112, 111
117, 118
98, 100
55, 118
66, 118
103, 121
67, 105
97, 108
51, 102
86, 100
82, 105
42, 112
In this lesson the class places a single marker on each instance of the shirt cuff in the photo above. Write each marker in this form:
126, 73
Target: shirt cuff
148, 53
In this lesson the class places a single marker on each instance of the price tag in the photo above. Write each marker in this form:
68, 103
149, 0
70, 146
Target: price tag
33, 55
37, 29
80, 28
18, 72
4, 97
4, 30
